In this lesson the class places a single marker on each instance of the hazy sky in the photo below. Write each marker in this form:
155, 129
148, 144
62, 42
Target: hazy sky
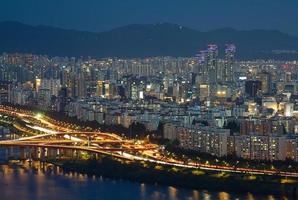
99, 15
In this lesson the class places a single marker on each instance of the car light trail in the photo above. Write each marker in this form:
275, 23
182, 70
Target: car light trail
68, 139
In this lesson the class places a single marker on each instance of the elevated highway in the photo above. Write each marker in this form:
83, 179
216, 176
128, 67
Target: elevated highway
59, 138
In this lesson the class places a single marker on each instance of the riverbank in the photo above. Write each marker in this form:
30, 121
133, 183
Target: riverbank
185, 178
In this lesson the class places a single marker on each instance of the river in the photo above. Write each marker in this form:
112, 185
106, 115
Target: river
32, 181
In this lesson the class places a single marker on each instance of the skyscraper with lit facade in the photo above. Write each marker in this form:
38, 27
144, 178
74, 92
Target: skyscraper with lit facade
208, 64
230, 52
212, 63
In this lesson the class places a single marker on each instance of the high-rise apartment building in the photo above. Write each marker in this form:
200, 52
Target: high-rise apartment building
229, 62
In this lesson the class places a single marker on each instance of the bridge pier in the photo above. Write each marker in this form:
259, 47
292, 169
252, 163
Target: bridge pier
62, 153
52, 153
6, 153
22, 153
96, 156
38, 152
11, 154
34, 153
58, 153
28, 153
43, 157
67, 152
74, 154
42, 154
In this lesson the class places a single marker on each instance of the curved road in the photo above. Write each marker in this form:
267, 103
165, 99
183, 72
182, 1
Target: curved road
57, 136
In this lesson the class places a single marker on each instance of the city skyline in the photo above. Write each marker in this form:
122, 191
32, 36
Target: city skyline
140, 100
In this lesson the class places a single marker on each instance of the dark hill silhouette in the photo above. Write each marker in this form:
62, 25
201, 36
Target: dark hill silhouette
136, 40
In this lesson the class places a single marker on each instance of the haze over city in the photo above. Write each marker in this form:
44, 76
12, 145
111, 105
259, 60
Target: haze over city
203, 15
110, 99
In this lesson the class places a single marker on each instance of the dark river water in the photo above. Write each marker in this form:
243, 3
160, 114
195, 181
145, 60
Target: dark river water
44, 181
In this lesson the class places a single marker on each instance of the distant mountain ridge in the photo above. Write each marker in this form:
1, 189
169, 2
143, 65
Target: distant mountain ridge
136, 40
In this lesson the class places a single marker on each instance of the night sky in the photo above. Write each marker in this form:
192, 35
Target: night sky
101, 15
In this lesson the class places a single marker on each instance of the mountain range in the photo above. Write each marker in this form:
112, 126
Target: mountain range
144, 40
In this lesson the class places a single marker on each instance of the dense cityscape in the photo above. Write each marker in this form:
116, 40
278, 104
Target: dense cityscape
148, 100
209, 104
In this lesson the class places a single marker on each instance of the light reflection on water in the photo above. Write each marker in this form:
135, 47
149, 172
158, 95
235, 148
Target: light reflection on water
44, 181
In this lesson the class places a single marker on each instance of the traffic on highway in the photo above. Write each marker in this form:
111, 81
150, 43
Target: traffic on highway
41, 131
